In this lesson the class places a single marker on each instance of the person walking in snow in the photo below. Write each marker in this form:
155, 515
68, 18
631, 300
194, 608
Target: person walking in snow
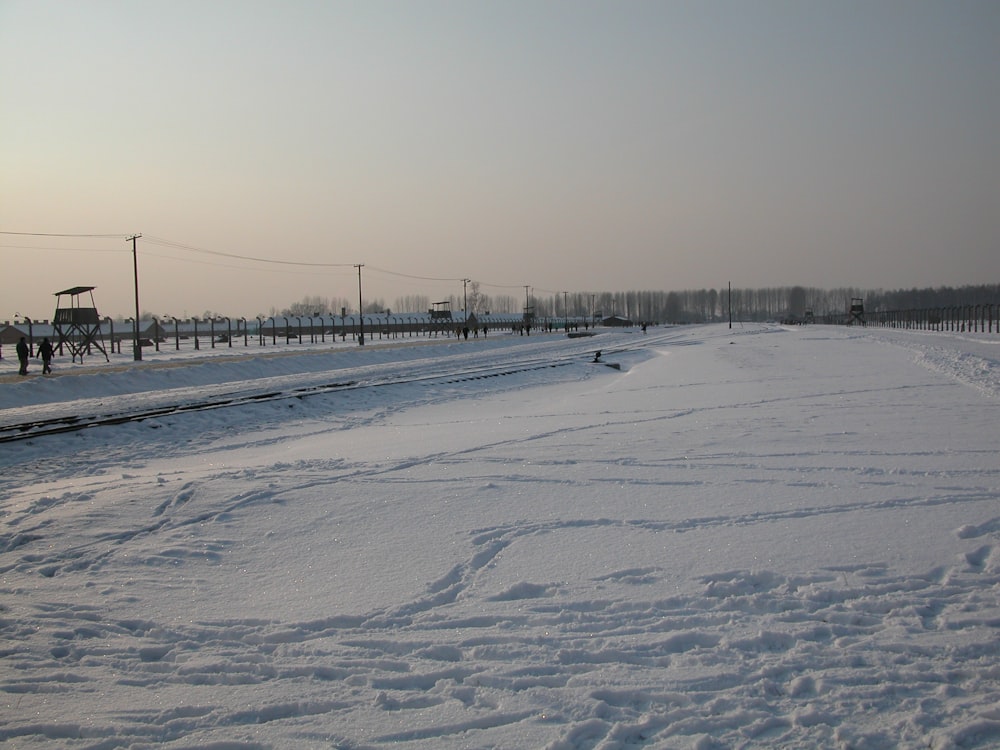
23, 352
45, 352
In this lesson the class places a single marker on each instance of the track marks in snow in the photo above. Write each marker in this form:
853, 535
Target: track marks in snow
752, 658
109, 531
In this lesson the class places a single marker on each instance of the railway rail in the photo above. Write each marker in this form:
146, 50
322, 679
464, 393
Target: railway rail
249, 394
19, 424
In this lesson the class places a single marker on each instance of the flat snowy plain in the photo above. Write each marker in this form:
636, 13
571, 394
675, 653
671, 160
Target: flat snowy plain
757, 537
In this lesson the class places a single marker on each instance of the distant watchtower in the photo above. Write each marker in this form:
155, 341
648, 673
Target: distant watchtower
857, 312
78, 327
441, 310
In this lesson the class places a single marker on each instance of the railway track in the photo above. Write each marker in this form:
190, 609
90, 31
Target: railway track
37, 428
479, 365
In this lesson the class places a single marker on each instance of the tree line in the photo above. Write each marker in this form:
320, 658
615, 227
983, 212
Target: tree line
687, 306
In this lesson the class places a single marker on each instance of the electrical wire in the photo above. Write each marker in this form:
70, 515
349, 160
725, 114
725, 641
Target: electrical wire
69, 249
178, 245
52, 234
216, 264
160, 241
409, 276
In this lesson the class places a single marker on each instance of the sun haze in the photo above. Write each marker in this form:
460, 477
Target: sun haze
265, 149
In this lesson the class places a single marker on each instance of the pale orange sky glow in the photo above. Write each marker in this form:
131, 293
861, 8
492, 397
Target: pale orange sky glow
581, 146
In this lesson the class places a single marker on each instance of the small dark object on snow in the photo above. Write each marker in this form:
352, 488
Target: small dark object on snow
597, 356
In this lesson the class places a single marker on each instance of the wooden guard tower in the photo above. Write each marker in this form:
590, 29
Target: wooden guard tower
77, 327
857, 312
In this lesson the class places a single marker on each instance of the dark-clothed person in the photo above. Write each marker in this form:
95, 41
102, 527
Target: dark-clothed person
23, 352
45, 352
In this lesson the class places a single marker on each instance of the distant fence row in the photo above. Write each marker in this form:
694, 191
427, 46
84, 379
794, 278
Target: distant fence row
959, 318
318, 329
173, 333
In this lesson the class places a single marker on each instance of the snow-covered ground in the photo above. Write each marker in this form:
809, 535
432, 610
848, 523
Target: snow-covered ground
757, 537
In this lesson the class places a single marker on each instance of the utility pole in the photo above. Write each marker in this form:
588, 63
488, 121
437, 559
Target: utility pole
565, 313
465, 297
730, 304
361, 316
136, 349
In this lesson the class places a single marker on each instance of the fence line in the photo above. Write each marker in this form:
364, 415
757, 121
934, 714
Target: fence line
271, 331
225, 332
984, 318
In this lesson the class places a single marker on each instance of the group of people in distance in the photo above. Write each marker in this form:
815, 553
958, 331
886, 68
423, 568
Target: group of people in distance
24, 353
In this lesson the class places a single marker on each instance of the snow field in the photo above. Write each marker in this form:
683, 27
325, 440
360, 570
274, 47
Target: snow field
750, 538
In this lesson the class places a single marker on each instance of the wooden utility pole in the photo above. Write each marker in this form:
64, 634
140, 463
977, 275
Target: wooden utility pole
361, 316
136, 348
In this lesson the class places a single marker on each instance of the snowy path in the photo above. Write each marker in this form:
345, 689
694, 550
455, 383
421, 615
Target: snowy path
748, 538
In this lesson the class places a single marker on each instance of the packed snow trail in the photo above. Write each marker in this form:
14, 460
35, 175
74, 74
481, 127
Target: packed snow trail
755, 538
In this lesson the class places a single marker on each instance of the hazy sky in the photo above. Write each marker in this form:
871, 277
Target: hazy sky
566, 145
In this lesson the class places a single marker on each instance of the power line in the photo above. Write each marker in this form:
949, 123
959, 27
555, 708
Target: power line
65, 249
236, 256
178, 245
501, 286
448, 280
409, 276
52, 234
248, 269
